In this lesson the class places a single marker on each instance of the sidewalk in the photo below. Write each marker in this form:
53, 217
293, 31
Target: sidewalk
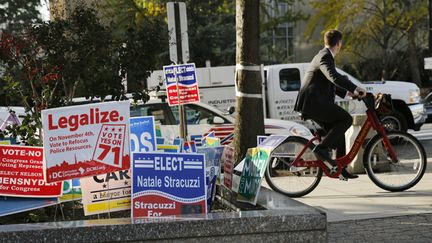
359, 211
362, 199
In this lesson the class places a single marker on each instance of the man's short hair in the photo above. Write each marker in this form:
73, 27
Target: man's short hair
331, 37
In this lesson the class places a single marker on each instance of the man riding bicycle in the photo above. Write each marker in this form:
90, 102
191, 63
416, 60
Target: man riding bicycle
316, 99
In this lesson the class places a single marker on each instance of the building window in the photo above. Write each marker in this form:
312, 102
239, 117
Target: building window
281, 38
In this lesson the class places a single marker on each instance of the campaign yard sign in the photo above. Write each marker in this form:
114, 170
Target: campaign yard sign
168, 184
21, 173
71, 191
228, 166
261, 139
12, 119
12, 205
168, 148
189, 147
254, 167
213, 156
86, 140
106, 193
142, 134
181, 84
8, 141
272, 141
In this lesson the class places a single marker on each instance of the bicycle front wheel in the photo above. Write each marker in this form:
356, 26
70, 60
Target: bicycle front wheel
291, 181
400, 175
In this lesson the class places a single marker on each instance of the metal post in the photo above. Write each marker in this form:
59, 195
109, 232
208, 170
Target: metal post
182, 120
182, 114
179, 50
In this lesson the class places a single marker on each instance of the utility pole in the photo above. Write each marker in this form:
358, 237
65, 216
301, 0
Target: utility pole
249, 101
179, 50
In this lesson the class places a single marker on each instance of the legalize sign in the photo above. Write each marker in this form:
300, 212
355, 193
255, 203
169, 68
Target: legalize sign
168, 184
21, 173
86, 140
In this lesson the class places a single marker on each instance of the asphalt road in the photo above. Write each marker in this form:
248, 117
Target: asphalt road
425, 132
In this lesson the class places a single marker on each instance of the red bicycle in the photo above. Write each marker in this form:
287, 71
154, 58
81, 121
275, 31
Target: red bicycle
394, 161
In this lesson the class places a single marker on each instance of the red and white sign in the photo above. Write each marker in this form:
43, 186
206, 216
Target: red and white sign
224, 132
21, 173
181, 84
228, 166
86, 140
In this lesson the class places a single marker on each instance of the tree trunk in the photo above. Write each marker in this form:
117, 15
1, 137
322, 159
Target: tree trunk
430, 27
412, 57
250, 119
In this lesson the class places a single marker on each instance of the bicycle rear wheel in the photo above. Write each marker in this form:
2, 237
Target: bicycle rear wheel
286, 179
397, 176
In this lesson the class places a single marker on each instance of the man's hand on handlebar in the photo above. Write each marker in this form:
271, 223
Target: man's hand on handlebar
358, 93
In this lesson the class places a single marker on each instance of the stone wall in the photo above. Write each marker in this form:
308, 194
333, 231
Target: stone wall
282, 220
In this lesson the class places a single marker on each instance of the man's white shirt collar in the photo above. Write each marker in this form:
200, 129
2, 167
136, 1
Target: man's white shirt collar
331, 52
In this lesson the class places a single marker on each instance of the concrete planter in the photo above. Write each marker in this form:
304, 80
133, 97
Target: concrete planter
282, 219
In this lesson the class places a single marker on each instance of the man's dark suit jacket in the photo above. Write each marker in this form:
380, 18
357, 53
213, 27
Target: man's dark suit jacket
320, 85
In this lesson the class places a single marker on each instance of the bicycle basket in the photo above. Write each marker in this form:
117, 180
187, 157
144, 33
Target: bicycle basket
383, 104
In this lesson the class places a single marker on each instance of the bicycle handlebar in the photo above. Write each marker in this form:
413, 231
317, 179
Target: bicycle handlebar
368, 99
361, 93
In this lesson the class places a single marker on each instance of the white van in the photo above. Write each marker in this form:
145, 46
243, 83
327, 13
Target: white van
282, 82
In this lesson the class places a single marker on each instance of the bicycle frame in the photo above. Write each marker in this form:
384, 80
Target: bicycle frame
372, 121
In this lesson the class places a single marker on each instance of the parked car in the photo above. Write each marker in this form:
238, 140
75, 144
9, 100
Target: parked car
202, 118
428, 105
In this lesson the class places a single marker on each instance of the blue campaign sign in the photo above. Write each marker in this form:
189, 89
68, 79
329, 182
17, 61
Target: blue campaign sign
142, 134
261, 139
181, 84
213, 156
197, 139
11, 205
185, 74
160, 140
76, 183
8, 141
168, 184
179, 142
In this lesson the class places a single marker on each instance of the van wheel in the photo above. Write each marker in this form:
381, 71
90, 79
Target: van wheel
395, 122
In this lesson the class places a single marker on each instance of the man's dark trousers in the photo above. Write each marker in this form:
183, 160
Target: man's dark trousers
336, 121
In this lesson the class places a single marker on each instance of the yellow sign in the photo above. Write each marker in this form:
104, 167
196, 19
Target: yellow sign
106, 193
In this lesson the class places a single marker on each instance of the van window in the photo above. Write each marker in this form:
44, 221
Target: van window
289, 79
